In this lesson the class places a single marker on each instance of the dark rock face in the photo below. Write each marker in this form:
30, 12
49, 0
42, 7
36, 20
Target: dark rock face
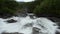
11, 33
11, 21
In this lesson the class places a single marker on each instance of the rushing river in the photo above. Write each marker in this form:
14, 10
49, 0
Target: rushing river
27, 25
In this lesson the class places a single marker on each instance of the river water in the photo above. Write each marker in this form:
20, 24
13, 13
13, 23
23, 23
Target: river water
28, 25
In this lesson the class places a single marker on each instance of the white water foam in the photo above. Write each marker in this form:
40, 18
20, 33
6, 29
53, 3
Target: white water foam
46, 26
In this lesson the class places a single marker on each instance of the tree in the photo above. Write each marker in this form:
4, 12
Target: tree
32, 5
8, 7
51, 7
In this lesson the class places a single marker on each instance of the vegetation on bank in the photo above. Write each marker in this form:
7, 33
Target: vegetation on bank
8, 7
48, 8
38, 7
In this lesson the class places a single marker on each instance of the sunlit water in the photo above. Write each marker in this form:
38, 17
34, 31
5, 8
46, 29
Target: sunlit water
26, 24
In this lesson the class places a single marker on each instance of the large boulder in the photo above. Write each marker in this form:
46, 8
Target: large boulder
11, 21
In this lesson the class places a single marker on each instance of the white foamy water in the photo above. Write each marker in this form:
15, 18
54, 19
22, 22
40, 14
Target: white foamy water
22, 25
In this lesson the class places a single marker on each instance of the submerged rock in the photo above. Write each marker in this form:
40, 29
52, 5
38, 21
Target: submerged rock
11, 21
28, 25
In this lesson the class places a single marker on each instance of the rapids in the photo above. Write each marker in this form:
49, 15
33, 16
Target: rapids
26, 24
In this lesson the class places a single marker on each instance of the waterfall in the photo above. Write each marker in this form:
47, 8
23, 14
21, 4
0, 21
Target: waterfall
26, 25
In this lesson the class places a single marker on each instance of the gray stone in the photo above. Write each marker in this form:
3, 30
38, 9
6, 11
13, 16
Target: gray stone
36, 30
11, 21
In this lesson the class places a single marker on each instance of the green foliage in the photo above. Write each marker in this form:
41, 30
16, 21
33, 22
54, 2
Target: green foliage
48, 7
32, 5
8, 7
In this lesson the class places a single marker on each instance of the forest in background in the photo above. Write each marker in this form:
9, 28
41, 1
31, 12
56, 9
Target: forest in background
41, 8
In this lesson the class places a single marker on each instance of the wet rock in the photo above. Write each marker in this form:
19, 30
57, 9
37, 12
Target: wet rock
54, 19
36, 30
58, 23
59, 27
11, 33
28, 25
57, 32
54, 24
22, 15
11, 21
31, 16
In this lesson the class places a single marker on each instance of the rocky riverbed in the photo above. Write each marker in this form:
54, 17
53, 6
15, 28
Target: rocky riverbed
30, 25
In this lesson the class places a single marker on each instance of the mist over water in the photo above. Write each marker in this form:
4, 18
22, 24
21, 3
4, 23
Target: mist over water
28, 25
